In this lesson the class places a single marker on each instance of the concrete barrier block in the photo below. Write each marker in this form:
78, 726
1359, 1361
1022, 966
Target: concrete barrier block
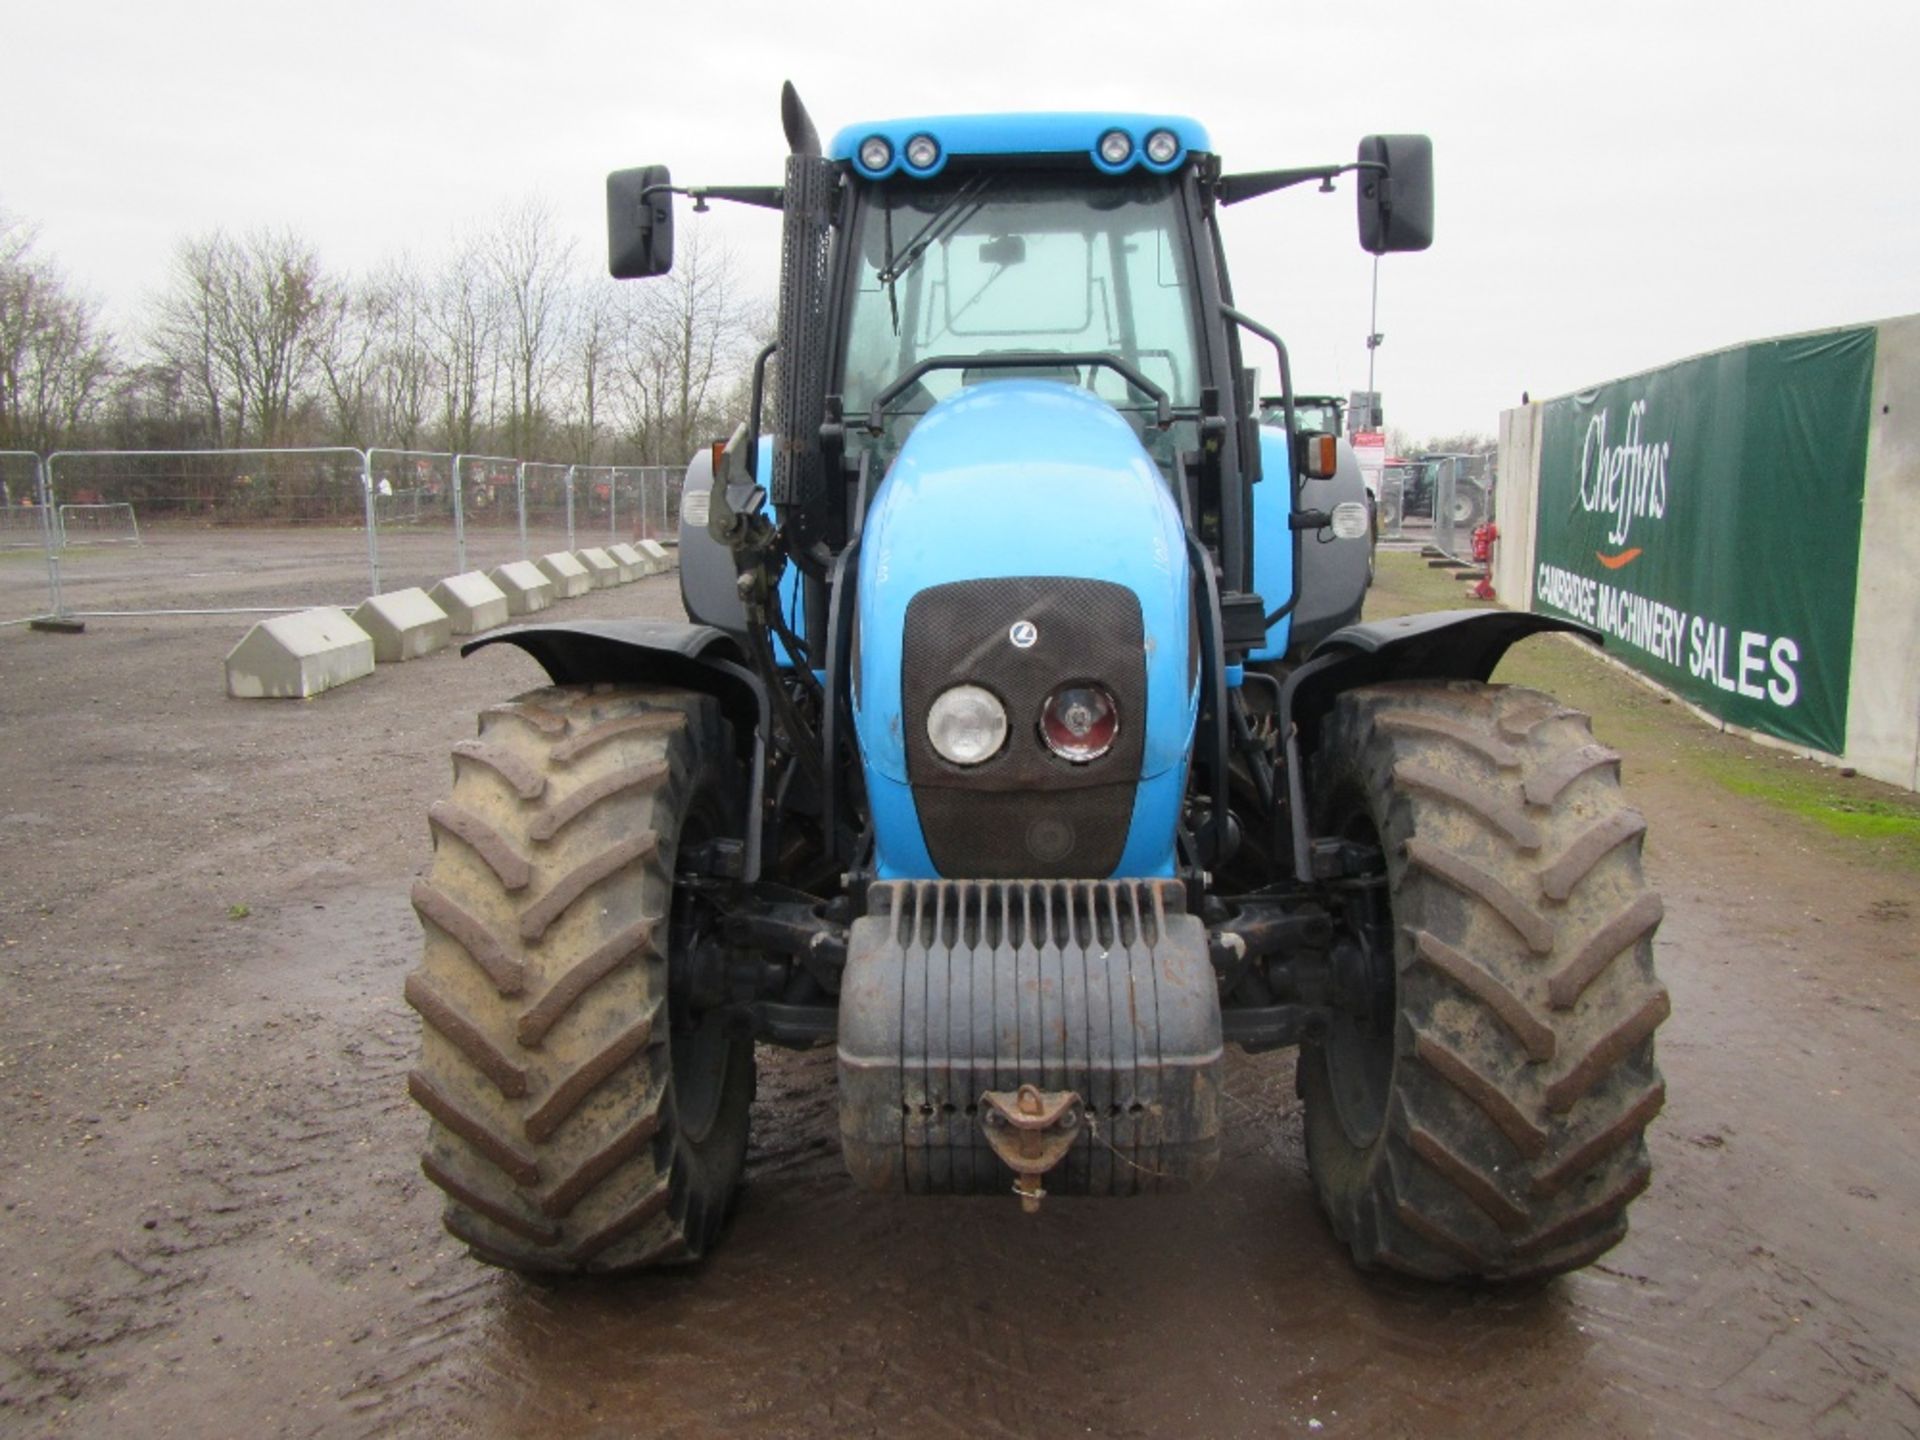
630, 560
663, 558
602, 568
473, 602
526, 586
404, 624
294, 656
569, 576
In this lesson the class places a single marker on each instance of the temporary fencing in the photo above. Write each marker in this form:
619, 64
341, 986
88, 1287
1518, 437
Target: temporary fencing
24, 516
237, 531
547, 505
207, 505
1392, 502
1446, 484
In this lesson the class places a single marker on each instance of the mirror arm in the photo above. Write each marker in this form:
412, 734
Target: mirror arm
1232, 189
767, 197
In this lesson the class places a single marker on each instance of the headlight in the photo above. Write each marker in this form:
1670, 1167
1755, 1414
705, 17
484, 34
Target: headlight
922, 151
967, 725
1079, 723
1162, 146
1115, 147
875, 152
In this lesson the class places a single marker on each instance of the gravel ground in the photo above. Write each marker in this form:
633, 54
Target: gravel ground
212, 1222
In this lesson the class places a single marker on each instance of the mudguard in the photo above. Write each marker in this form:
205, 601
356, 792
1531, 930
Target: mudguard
662, 652
1441, 645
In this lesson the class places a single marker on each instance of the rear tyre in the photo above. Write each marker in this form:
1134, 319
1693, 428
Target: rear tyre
579, 1124
1478, 1108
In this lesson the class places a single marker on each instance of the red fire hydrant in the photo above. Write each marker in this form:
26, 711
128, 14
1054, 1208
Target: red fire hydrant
1483, 538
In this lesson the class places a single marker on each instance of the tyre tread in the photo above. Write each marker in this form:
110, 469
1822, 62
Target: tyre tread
547, 1067
1514, 1139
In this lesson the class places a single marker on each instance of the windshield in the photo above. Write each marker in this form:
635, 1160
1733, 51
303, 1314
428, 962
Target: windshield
995, 261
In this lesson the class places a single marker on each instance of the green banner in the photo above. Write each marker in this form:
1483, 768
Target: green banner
1706, 518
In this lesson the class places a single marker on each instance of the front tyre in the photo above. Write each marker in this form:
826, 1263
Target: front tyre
580, 1122
1477, 1108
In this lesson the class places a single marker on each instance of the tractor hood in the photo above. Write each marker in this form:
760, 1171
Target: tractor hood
1022, 479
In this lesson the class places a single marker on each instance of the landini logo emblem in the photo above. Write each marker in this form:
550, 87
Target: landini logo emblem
1023, 634
1627, 481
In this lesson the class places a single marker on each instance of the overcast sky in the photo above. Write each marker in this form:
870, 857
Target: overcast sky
1620, 184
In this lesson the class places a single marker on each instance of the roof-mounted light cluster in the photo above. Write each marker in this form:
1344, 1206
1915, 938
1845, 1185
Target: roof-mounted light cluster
1160, 150
921, 156
1115, 143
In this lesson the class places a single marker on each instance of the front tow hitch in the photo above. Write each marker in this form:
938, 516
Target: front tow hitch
1031, 1130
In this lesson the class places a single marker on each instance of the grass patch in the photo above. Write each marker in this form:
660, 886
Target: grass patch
1663, 739
1831, 801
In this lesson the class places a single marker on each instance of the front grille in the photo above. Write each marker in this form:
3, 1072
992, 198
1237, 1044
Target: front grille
1026, 812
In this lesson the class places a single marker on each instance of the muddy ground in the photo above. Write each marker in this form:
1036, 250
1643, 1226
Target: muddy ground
212, 1223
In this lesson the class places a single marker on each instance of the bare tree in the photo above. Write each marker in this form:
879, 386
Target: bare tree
529, 265
462, 321
247, 321
590, 365
407, 368
56, 361
684, 340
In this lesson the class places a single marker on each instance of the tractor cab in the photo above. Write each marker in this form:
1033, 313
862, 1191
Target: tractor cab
1017, 267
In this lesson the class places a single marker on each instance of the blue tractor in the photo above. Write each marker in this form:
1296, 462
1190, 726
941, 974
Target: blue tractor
1024, 743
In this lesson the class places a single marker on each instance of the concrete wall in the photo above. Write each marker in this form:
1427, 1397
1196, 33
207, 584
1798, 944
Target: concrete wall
1515, 508
1883, 705
1883, 688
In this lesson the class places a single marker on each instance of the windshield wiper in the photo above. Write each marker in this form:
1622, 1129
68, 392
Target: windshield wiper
942, 223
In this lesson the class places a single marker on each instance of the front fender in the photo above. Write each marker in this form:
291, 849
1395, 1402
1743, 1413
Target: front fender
662, 652
1439, 645
645, 652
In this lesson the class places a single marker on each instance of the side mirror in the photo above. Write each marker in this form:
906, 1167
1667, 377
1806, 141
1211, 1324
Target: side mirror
1319, 455
639, 223
1396, 205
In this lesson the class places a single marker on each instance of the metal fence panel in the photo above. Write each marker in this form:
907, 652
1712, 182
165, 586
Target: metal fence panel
27, 523
548, 492
488, 524
413, 506
1446, 479
222, 530
1393, 503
